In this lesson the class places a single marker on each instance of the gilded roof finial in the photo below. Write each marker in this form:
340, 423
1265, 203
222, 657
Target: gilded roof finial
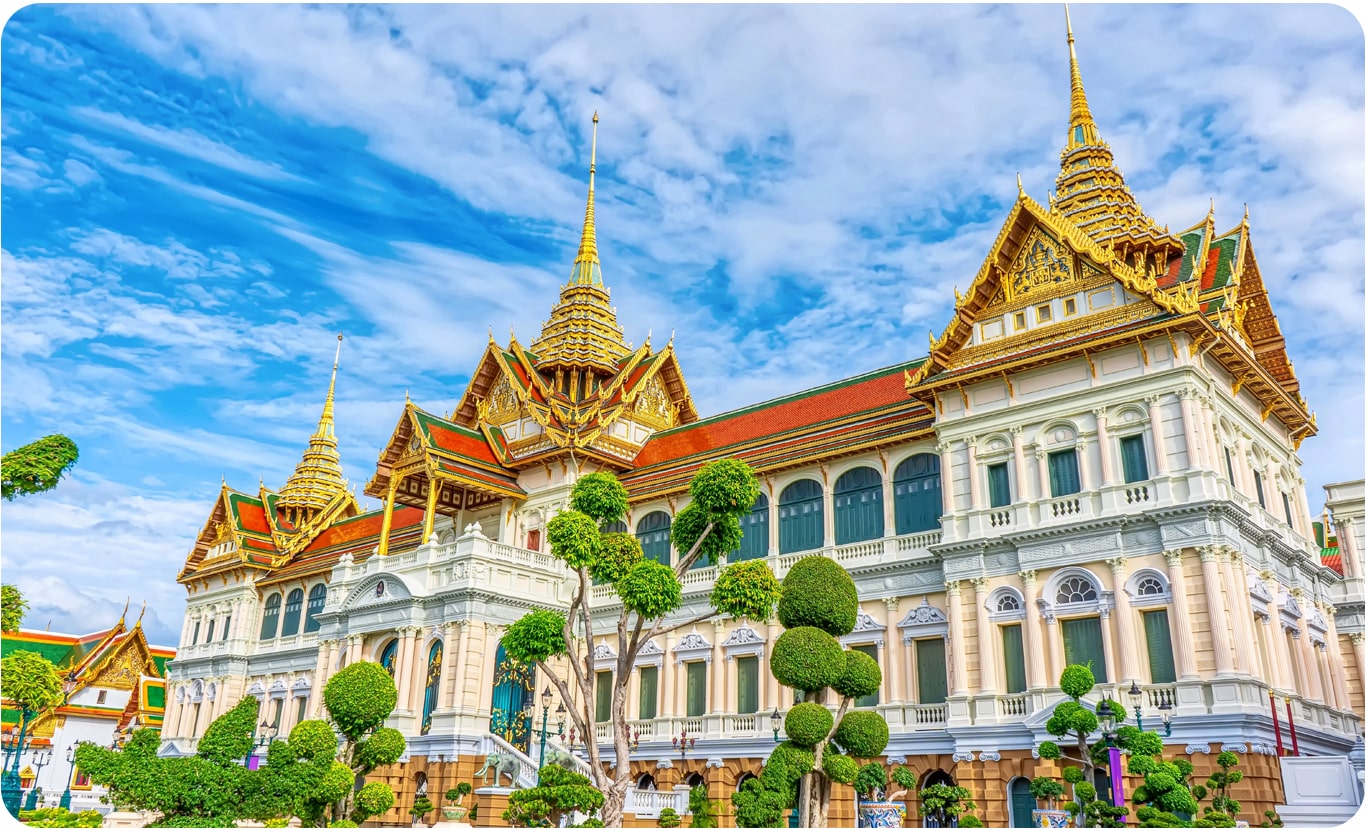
1211, 208
1081, 126
1019, 183
124, 613
587, 268
140, 614
318, 477
325, 423
1244, 213
491, 340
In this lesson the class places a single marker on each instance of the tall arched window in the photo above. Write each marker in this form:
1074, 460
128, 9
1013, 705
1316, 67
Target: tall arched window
294, 607
917, 494
858, 506
389, 656
512, 688
618, 527
317, 599
653, 533
801, 518
433, 684
270, 618
754, 543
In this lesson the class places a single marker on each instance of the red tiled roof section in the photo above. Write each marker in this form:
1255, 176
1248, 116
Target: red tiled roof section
1207, 278
367, 525
761, 422
474, 447
252, 516
1333, 561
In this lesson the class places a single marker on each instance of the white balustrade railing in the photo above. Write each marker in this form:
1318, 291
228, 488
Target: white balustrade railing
929, 714
526, 769
1014, 706
648, 804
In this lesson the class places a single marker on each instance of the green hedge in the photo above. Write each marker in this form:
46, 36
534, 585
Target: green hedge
818, 592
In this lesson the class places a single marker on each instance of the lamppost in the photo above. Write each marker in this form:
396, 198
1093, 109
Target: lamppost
545, 723
683, 743
70, 774
10, 783
777, 721
1136, 696
39, 761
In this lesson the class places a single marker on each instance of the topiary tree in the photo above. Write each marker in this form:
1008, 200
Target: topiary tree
648, 592
819, 604
1046, 791
1073, 720
701, 807
421, 807
12, 608
36, 467
945, 803
359, 698
669, 818
558, 794
1222, 812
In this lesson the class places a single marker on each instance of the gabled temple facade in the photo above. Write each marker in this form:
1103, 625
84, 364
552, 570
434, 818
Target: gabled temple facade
1095, 461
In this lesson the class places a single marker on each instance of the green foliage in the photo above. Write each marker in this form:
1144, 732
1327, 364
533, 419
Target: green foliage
1085, 791
862, 675
669, 818
839, 768
650, 589
599, 496
30, 681
277, 822
903, 776
1049, 750
758, 806
373, 799
383, 747
230, 736
313, 739
863, 734
342, 823
574, 538
725, 486
459, 792
817, 592
535, 636
793, 762
1073, 775
1223, 809
871, 781
969, 821
60, 818
12, 608
945, 802
746, 589
558, 794
359, 697
693, 522
421, 807
1071, 717
1273, 820
1046, 789
806, 658
1077, 680
807, 723
37, 466
703, 812
617, 555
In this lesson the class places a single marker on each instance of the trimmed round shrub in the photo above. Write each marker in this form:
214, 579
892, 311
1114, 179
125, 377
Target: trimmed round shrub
818, 592
617, 555
1077, 680
725, 486
969, 821
374, 798
650, 589
840, 768
862, 676
746, 589
1086, 791
1072, 775
1049, 750
383, 747
807, 723
1141, 765
807, 658
535, 636
792, 762
574, 538
862, 734
359, 697
336, 782
313, 739
600, 496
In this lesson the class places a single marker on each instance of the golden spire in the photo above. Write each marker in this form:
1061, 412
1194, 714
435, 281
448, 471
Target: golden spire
1081, 126
318, 478
325, 424
587, 268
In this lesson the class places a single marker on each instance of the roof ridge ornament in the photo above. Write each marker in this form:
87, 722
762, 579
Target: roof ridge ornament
587, 266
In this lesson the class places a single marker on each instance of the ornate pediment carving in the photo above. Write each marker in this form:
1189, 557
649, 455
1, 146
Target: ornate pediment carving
1042, 266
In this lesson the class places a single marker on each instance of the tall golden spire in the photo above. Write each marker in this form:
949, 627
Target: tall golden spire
1081, 126
318, 478
587, 268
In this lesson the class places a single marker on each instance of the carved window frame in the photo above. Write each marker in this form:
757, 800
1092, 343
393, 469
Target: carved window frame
867, 630
1144, 601
739, 646
993, 602
699, 650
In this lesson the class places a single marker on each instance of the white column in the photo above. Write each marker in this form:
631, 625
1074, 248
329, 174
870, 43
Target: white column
1325, 673
1041, 459
986, 642
773, 535
1108, 648
772, 689
1278, 645
417, 676
1308, 670
1021, 475
1033, 634
1240, 611
1335, 660
403, 665
1155, 422
1194, 447
974, 485
946, 476
1359, 653
720, 700
1215, 609
449, 634
1347, 546
1057, 658
889, 505
1184, 650
1107, 465
1083, 466
315, 705
892, 671
828, 510
1128, 664
1271, 632
957, 638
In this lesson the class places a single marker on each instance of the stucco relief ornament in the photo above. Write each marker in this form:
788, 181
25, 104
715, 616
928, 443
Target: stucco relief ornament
602, 652
743, 636
693, 640
924, 613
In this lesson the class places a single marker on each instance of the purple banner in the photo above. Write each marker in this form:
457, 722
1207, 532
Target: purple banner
1117, 776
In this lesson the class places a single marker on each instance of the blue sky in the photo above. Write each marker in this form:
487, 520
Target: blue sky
197, 198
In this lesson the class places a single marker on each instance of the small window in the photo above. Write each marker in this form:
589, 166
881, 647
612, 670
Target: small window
1135, 459
302, 713
99, 699
1043, 314
1008, 603
1019, 321
1261, 494
209, 638
1285, 498
1069, 307
1150, 586
1064, 477
998, 484
1228, 465
227, 624
603, 689
993, 329
194, 638
1076, 590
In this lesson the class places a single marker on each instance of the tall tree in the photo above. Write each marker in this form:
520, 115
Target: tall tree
359, 698
649, 592
12, 608
36, 467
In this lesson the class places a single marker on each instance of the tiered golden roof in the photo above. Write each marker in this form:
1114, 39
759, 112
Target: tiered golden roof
1092, 194
317, 481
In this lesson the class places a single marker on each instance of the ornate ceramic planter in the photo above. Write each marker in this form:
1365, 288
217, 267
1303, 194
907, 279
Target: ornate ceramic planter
881, 814
454, 813
1051, 819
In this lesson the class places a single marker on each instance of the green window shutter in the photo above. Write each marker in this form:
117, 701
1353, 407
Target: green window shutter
917, 495
649, 692
931, 671
1159, 633
870, 700
998, 483
1228, 463
754, 525
1081, 642
1257, 480
602, 683
858, 506
1285, 498
1062, 473
801, 517
1135, 458
747, 685
1012, 641
697, 688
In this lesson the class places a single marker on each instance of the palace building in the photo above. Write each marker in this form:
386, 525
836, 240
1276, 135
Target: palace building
1095, 461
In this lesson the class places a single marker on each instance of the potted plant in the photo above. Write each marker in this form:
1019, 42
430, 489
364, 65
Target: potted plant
941, 805
876, 808
669, 818
456, 811
421, 807
1047, 790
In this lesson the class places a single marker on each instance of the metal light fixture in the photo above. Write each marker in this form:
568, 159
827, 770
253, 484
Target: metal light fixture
683, 743
1165, 708
1136, 696
777, 722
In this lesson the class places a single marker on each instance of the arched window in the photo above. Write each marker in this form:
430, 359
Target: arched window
695, 779
744, 777
1022, 804
389, 656
646, 782
270, 618
317, 599
801, 518
1150, 585
512, 705
917, 494
433, 684
858, 506
1008, 603
294, 607
653, 533
1076, 590
618, 527
754, 525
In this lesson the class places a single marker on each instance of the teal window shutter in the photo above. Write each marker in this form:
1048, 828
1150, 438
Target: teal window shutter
754, 528
1135, 459
1160, 662
870, 700
1261, 494
602, 683
697, 688
1012, 640
294, 606
653, 534
858, 506
1082, 643
801, 517
747, 685
998, 483
1285, 498
917, 496
1062, 472
1022, 804
931, 671
649, 692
